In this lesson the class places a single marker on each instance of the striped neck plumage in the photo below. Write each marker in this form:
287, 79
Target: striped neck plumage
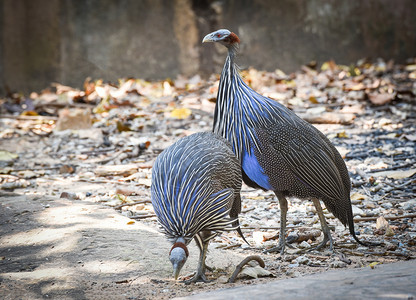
234, 113
240, 110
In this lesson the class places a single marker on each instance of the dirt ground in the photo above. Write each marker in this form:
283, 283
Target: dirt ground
65, 249
70, 249
75, 217
75, 249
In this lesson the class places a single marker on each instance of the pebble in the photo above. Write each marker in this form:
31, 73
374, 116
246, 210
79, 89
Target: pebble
367, 230
409, 205
288, 257
302, 260
357, 211
369, 205
296, 221
304, 245
68, 195
387, 205
127, 213
222, 279
245, 246
338, 264
14, 185
390, 246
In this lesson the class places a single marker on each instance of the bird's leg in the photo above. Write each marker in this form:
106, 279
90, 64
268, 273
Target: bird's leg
200, 272
325, 227
282, 233
199, 238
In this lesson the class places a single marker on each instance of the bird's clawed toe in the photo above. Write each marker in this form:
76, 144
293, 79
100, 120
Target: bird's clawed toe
198, 277
279, 248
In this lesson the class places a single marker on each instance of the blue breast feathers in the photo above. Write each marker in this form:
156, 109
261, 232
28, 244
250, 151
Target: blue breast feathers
254, 171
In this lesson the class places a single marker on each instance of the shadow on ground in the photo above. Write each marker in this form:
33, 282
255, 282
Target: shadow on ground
68, 249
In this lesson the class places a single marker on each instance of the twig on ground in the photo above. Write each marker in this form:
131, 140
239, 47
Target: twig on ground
365, 219
143, 216
131, 204
243, 263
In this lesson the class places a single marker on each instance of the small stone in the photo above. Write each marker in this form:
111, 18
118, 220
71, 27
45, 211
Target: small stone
258, 237
409, 205
302, 260
296, 221
66, 169
68, 195
288, 257
87, 175
338, 264
304, 245
369, 205
222, 279
14, 185
367, 230
27, 174
390, 246
387, 205
94, 134
292, 237
389, 231
357, 211
245, 246
381, 223
293, 265
140, 207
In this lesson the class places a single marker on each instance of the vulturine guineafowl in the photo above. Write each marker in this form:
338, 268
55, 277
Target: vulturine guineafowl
278, 150
195, 193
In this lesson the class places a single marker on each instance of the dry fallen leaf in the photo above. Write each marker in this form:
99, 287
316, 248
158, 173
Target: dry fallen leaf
116, 170
180, 113
373, 264
7, 156
396, 174
381, 99
342, 135
358, 196
255, 272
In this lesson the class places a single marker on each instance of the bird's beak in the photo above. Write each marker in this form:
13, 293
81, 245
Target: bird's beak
176, 271
208, 38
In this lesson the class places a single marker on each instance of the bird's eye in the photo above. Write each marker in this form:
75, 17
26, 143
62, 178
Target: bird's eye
218, 35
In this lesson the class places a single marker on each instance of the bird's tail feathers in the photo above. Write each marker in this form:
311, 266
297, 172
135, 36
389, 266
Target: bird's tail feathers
350, 218
236, 225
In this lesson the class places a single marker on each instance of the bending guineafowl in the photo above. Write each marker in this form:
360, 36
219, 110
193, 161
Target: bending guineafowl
196, 185
278, 150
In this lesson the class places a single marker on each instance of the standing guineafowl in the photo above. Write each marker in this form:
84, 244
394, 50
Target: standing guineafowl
196, 185
278, 150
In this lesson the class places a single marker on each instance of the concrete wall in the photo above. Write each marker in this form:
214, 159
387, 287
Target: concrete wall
43, 41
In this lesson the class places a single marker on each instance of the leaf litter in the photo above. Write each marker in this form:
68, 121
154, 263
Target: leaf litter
108, 135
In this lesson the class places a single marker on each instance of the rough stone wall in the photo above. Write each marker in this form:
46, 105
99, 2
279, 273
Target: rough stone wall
43, 41
287, 33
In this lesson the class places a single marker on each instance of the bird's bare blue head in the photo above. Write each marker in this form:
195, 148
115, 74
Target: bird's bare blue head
178, 256
222, 36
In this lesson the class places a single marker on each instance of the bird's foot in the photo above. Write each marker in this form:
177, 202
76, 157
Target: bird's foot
198, 277
209, 268
323, 244
279, 248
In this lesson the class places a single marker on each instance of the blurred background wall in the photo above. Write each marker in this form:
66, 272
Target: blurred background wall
44, 41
